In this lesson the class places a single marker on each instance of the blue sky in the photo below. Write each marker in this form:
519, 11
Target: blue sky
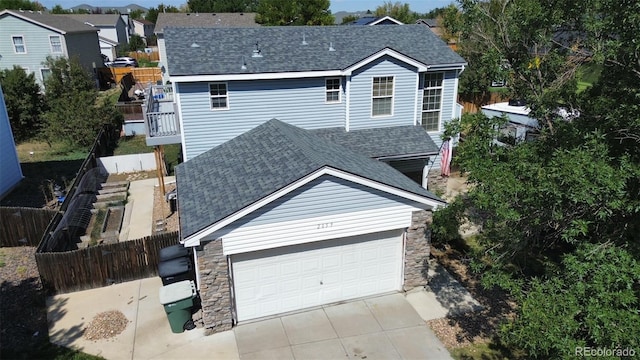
421, 6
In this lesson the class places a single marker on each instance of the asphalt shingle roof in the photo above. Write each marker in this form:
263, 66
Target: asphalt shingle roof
95, 19
382, 142
216, 51
249, 167
57, 22
204, 20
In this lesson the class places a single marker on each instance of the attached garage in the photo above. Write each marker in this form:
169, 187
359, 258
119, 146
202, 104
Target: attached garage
286, 279
292, 227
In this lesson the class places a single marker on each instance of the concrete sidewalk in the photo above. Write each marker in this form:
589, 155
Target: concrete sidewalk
353, 329
138, 212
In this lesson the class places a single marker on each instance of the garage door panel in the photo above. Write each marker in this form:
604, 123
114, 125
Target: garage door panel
296, 277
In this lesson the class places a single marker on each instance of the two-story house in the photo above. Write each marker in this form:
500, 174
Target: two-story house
27, 38
112, 31
142, 28
295, 141
196, 20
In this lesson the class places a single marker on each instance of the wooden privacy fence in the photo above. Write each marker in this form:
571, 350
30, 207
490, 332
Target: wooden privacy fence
103, 265
152, 56
23, 226
143, 75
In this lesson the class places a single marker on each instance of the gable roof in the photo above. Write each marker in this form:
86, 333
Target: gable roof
56, 23
142, 21
269, 158
375, 20
222, 51
429, 22
204, 20
382, 143
95, 19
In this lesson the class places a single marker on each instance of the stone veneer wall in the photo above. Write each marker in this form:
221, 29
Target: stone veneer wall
214, 287
417, 250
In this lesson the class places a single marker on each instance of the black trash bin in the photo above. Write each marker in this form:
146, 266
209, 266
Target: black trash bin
175, 270
174, 252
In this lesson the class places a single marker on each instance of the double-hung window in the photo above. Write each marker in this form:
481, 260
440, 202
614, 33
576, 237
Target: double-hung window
56, 44
332, 87
432, 101
219, 96
19, 47
382, 96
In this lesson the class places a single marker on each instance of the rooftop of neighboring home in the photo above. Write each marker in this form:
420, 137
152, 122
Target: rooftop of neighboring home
204, 20
429, 22
375, 20
215, 51
143, 21
95, 19
121, 9
56, 23
249, 167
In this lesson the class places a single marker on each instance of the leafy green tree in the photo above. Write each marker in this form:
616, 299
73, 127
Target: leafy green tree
21, 4
222, 6
24, 102
76, 113
152, 14
294, 12
136, 14
349, 18
136, 43
58, 9
592, 302
398, 11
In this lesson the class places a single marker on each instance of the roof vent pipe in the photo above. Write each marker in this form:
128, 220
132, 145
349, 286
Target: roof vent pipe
304, 39
331, 47
244, 64
257, 53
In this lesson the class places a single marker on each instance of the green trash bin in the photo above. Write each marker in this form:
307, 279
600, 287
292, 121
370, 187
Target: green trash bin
177, 299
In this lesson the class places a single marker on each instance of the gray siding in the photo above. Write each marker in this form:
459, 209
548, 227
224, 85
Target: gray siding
11, 172
86, 48
326, 195
36, 39
300, 102
405, 87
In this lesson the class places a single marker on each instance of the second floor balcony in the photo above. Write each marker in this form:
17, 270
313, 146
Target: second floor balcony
161, 116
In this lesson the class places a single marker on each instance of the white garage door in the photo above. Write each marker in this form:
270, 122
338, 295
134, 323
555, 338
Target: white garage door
274, 281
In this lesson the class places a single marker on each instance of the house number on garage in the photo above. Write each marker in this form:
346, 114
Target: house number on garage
324, 225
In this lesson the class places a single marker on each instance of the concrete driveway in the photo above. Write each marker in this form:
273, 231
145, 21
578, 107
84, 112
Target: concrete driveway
385, 327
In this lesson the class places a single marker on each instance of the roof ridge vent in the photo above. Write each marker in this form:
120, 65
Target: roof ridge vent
331, 46
257, 53
195, 45
304, 39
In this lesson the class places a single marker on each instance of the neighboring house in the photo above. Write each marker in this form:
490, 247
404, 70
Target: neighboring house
520, 126
27, 38
143, 28
353, 79
11, 173
103, 9
283, 220
431, 24
376, 20
112, 28
196, 20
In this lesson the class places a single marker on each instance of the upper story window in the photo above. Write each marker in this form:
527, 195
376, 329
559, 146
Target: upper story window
382, 99
19, 47
332, 87
432, 101
56, 44
219, 96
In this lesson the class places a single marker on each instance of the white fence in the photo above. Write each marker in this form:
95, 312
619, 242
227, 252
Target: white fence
128, 163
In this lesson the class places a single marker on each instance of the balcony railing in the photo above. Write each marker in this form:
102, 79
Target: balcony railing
161, 120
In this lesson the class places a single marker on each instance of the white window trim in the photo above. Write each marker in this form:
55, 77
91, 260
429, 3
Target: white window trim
425, 88
218, 96
51, 44
339, 90
42, 75
393, 94
24, 44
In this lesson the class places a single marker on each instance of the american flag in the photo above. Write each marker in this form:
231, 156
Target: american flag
445, 158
